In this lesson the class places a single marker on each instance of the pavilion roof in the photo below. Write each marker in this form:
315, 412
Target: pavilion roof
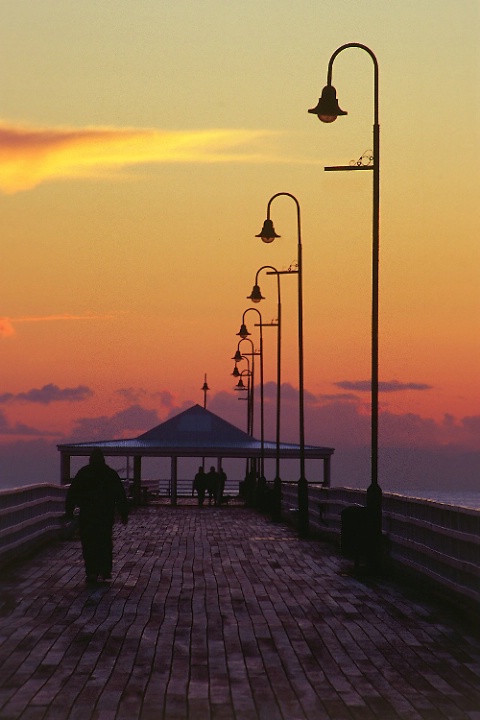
192, 433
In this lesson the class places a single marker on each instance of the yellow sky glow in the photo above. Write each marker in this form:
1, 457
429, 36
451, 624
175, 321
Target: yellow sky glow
30, 156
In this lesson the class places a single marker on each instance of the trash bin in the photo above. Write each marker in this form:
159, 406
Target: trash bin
355, 531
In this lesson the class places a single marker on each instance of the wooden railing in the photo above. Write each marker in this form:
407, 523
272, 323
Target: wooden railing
436, 541
29, 516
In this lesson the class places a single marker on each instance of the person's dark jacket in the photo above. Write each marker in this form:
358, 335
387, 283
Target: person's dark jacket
97, 491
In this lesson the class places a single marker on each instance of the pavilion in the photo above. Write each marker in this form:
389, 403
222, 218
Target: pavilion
195, 432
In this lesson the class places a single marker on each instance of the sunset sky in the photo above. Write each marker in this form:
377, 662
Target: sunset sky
140, 141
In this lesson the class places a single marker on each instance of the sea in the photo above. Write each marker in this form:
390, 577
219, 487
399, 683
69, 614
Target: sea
466, 499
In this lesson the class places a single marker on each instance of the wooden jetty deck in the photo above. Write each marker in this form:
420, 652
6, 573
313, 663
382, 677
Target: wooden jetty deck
220, 614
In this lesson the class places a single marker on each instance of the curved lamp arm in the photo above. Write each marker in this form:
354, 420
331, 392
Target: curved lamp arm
375, 70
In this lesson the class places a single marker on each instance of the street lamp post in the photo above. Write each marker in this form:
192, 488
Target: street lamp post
238, 357
268, 235
250, 485
243, 333
256, 296
327, 111
240, 386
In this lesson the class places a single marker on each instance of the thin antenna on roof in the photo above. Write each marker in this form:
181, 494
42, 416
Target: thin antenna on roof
205, 389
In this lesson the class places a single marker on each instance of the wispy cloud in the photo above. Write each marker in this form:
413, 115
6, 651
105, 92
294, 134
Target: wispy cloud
49, 394
7, 325
30, 156
383, 386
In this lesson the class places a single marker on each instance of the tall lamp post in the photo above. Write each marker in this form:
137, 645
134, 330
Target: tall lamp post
250, 485
256, 296
243, 333
327, 111
268, 235
240, 386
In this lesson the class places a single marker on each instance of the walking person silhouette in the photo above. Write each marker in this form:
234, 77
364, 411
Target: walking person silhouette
98, 492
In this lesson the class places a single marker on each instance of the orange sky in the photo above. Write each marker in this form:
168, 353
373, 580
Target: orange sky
137, 155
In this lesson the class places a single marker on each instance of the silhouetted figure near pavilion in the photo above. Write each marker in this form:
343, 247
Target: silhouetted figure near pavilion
200, 485
98, 492
213, 480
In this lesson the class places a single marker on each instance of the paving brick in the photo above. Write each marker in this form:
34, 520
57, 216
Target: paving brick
220, 614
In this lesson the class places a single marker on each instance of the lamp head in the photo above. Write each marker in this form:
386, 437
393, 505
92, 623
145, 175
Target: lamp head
205, 387
238, 357
256, 294
243, 332
240, 385
267, 232
236, 372
327, 109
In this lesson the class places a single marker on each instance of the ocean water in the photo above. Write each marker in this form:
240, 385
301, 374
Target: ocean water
466, 499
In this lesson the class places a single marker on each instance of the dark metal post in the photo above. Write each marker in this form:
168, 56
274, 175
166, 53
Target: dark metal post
374, 492
327, 110
303, 524
262, 404
256, 296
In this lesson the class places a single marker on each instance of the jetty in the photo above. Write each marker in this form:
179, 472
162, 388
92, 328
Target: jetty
219, 613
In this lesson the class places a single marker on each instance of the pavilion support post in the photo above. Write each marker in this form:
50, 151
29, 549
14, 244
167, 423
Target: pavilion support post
173, 476
64, 468
326, 472
137, 479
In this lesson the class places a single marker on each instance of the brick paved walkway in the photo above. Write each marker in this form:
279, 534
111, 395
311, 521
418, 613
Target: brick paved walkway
219, 614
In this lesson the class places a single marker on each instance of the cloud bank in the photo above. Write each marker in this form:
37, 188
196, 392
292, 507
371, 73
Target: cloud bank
126, 423
415, 452
30, 156
49, 394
